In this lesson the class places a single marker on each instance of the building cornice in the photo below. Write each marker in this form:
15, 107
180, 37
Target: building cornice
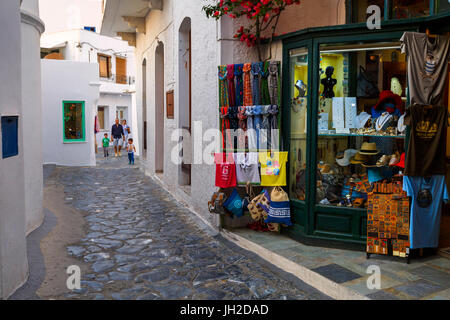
31, 19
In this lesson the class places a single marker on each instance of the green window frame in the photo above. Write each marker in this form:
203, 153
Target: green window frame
82, 136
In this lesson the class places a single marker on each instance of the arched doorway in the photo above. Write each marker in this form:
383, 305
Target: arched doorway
159, 108
185, 99
144, 108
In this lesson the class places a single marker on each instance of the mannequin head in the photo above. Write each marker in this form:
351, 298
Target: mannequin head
329, 71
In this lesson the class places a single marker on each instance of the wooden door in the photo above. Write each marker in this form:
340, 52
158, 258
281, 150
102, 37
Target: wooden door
121, 70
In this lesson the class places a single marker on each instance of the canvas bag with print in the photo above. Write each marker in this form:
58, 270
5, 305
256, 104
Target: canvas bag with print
273, 169
280, 208
225, 170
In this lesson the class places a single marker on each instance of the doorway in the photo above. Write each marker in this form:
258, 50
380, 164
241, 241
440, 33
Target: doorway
144, 108
185, 101
159, 108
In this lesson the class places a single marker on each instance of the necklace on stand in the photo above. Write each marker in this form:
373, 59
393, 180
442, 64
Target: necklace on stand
382, 120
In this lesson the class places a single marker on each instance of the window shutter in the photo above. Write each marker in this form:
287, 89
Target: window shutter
170, 105
121, 70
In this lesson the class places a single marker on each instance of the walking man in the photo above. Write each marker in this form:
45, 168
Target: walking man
116, 135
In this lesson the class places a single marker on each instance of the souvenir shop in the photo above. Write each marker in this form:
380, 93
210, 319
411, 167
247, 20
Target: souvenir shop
363, 121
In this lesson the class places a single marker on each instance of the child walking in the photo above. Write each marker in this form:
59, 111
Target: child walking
131, 150
105, 142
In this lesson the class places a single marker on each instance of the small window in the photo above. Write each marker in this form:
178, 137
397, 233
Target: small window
170, 107
10, 135
101, 117
73, 122
104, 62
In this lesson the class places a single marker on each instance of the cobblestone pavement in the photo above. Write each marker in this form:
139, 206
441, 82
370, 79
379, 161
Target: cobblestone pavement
141, 244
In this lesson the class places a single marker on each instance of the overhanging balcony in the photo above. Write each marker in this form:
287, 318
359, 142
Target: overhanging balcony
126, 17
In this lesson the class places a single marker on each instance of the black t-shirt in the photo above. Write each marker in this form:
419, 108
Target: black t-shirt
427, 143
117, 131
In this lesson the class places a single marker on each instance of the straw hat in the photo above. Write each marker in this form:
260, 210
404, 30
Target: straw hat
358, 159
369, 149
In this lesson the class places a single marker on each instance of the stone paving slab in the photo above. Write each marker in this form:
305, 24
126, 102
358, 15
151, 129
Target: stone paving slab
425, 278
141, 244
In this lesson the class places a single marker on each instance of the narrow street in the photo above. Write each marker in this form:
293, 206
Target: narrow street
138, 243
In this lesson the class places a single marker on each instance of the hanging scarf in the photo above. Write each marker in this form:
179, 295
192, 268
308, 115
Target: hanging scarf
243, 141
264, 136
257, 123
251, 133
265, 96
234, 124
226, 138
223, 90
273, 83
248, 100
274, 134
231, 88
238, 71
256, 73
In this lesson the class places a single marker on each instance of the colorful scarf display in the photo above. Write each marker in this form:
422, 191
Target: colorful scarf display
249, 99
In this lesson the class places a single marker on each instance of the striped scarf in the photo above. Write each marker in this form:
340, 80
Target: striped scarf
231, 88
248, 101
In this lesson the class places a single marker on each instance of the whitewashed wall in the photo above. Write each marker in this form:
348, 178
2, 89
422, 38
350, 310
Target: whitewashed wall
13, 253
68, 81
31, 29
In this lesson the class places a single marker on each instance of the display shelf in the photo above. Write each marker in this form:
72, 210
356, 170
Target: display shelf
332, 135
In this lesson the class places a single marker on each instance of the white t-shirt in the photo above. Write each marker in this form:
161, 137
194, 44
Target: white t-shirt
247, 169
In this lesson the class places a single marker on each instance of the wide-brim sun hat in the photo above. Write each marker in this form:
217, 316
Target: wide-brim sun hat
348, 155
369, 149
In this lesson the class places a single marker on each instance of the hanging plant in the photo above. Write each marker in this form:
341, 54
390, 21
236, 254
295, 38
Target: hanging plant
262, 15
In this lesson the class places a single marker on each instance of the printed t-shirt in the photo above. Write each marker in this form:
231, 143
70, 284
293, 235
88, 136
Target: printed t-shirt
247, 167
225, 170
427, 66
105, 142
425, 222
273, 169
427, 143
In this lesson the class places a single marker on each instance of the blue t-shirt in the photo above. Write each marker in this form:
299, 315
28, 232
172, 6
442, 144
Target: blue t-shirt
425, 222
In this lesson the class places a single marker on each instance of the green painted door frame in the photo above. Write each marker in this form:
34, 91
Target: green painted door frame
83, 123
